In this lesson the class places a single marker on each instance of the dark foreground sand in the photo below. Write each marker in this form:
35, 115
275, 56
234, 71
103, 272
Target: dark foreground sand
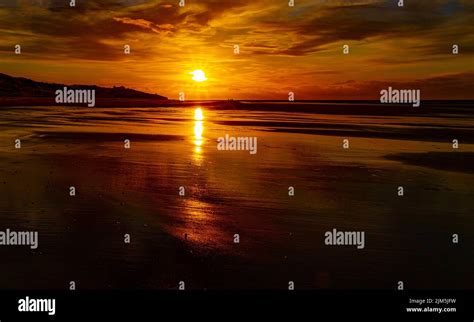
191, 238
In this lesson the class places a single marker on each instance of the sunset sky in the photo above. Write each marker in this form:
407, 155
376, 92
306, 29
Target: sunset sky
282, 48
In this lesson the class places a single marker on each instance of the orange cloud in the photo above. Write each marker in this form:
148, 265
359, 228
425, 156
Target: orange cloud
160, 29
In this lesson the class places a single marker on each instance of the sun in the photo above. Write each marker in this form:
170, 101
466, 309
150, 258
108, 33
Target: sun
198, 75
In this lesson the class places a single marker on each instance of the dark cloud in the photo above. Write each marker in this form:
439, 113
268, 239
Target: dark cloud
378, 19
312, 27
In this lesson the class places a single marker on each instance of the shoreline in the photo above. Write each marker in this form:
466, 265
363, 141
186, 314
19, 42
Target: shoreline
313, 107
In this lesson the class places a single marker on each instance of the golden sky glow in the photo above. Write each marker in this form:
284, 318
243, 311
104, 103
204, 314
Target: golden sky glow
280, 48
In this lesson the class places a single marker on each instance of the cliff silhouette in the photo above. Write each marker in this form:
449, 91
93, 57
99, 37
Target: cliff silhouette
19, 87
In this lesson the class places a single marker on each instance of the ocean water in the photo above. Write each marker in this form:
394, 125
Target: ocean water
191, 237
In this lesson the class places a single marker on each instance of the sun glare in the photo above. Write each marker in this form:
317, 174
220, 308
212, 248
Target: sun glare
198, 75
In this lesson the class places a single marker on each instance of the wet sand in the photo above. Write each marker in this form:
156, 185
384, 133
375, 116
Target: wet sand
136, 191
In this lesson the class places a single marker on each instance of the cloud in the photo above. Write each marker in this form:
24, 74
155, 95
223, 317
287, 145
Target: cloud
160, 29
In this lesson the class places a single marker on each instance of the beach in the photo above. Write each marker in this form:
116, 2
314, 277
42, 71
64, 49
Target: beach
191, 237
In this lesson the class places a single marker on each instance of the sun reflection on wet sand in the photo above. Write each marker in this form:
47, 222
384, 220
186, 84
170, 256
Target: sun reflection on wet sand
199, 225
198, 130
198, 116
